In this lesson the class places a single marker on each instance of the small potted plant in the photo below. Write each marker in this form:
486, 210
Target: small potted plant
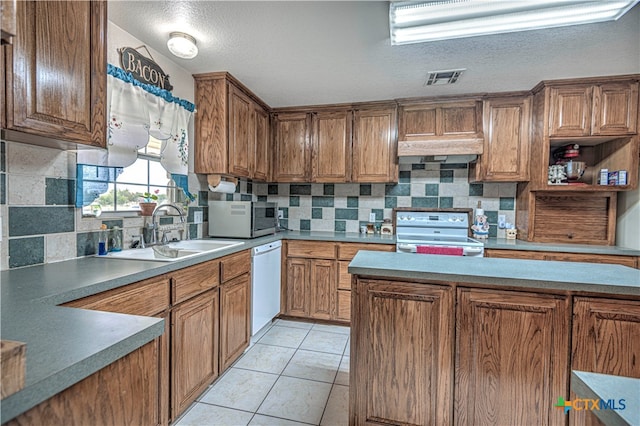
148, 203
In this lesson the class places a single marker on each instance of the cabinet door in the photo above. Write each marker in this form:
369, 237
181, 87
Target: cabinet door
331, 146
292, 146
460, 120
241, 140
211, 132
298, 297
235, 319
511, 361
606, 339
402, 362
194, 349
505, 157
417, 122
375, 146
58, 73
615, 109
262, 154
570, 111
323, 287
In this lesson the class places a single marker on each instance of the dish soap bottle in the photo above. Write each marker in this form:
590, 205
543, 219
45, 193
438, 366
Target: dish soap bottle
116, 239
102, 240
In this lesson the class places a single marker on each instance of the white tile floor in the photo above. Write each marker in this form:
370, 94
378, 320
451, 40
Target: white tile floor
294, 373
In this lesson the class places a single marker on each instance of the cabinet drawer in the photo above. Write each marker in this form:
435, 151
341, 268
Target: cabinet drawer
191, 281
234, 265
344, 278
348, 251
514, 254
344, 305
311, 249
629, 261
148, 297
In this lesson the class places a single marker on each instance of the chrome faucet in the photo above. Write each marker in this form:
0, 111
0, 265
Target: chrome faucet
154, 222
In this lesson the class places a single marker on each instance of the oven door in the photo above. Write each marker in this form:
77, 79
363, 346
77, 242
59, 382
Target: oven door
473, 251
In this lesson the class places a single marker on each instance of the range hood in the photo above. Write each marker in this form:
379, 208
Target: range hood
445, 159
440, 146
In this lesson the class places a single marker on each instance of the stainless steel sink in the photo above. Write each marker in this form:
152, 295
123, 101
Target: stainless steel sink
181, 250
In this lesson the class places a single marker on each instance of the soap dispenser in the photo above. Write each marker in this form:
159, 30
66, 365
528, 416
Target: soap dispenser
116, 239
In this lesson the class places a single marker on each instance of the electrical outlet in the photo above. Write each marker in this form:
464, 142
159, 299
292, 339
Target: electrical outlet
502, 219
280, 214
372, 217
197, 217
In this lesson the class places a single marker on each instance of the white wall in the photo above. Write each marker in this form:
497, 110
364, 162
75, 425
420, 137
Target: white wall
628, 228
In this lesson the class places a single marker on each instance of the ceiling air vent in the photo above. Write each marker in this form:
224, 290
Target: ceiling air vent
438, 78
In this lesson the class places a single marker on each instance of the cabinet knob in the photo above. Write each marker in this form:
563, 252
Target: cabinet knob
570, 235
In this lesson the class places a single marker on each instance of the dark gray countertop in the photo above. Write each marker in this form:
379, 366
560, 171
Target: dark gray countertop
504, 244
530, 274
610, 388
65, 345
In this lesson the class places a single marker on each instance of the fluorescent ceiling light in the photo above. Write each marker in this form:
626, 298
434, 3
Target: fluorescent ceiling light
182, 45
416, 22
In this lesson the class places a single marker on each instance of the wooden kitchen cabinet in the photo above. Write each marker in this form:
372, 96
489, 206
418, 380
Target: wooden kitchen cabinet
505, 155
230, 128
401, 367
630, 261
8, 23
150, 297
446, 127
292, 140
194, 348
511, 357
331, 146
606, 339
609, 109
375, 144
235, 307
297, 285
56, 73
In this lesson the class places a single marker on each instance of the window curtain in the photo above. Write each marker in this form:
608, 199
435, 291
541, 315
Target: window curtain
135, 111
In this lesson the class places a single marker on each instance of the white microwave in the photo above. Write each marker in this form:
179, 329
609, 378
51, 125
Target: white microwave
242, 219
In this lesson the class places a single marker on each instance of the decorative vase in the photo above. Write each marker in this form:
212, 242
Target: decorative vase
146, 209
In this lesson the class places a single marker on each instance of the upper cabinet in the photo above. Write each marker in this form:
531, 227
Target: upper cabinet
593, 109
232, 128
338, 144
440, 127
7, 20
56, 71
505, 156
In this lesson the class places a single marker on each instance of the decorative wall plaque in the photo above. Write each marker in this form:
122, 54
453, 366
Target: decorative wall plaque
143, 69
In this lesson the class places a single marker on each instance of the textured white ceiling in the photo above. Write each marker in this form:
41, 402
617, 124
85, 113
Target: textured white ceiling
319, 52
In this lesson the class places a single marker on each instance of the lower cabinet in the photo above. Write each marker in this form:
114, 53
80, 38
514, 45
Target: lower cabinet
194, 348
606, 339
511, 357
235, 319
401, 367
630, 261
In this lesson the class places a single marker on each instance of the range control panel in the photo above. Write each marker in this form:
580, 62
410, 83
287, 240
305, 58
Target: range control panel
432, 219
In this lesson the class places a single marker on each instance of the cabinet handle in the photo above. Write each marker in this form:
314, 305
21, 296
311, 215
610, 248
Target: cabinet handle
570, 235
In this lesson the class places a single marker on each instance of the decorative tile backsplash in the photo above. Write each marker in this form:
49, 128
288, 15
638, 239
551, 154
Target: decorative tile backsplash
40, 223
345, 207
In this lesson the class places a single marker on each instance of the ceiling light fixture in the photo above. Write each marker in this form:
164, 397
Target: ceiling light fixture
182, 45
417, 22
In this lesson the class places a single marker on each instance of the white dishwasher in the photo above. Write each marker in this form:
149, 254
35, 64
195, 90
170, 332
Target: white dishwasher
265, 284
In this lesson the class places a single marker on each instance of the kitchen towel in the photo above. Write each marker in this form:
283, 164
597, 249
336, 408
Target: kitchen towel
450, 251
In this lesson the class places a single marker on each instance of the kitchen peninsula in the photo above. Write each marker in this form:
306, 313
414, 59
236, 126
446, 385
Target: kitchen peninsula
443, 339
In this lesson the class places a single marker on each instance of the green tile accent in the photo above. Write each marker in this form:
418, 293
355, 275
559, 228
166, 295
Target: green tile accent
322, 201
3, 158
40, 220
3, 190
284, 223
348, 214
60, 192
303, 189
445, 166
305, 225
316, 213
193, 231
203, 198
294, 201
379, 214
492, 216
431, 202
418, 166
401, 189
507, 203
446, 202
262, 198
476, 189
446, 176
249, 187
229, 197
431, 189
166, 220
365, 189
390, 202
285, 212
328, 189
86, 244
493, 230
245, 197
352, 202
26, 251
272, 189
340, 226
404, 176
